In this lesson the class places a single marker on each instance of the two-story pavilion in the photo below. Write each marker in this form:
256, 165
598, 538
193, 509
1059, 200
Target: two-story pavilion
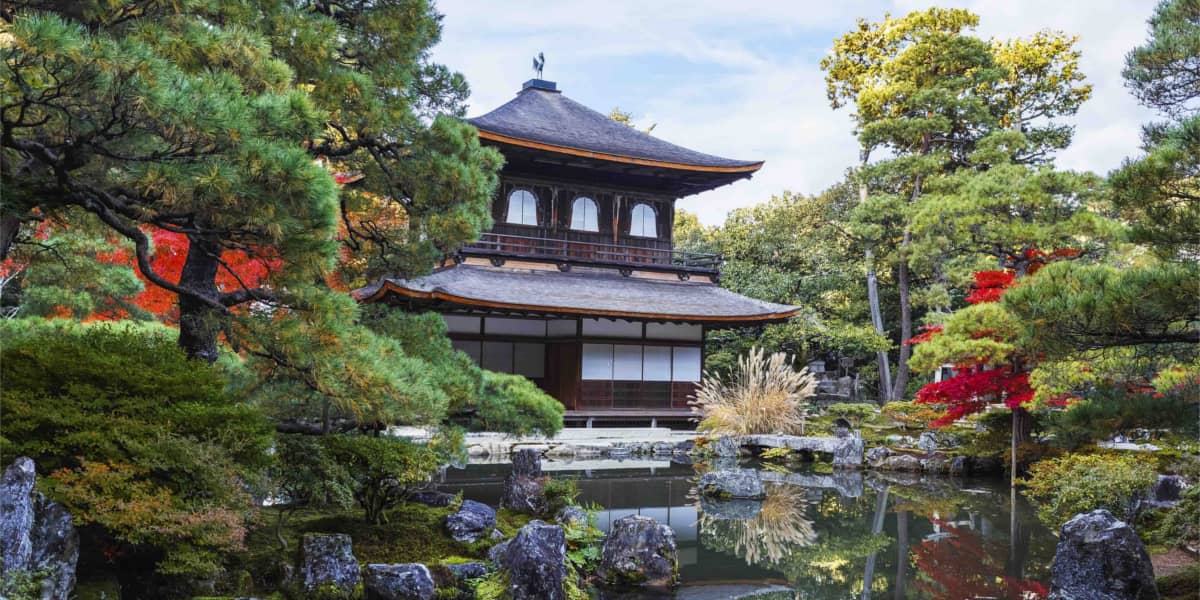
578, 285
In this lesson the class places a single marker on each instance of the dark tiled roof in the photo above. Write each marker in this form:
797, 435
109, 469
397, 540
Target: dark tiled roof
548, 117
590, 293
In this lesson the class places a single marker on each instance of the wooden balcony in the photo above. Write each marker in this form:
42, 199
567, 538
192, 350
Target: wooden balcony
650, 254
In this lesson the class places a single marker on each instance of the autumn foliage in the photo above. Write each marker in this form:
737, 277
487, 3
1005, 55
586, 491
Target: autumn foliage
240, 269
975, 384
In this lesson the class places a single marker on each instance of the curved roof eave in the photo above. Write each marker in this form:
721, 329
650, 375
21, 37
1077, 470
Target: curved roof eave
633, 160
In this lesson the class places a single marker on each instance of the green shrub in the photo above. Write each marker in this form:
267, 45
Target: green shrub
1078, 483
381, 469
151, 453
911, 415
855, 412
559, 493
514, 404
1180, 526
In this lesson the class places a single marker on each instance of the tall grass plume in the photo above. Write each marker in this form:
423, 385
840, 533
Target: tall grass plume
764, 394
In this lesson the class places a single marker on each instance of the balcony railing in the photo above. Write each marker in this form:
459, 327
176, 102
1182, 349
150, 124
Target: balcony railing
662, 258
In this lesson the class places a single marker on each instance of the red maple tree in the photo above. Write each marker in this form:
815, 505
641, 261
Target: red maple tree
976, 383
241, 268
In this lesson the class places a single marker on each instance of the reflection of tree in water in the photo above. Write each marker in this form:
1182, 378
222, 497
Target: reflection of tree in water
958, 562
779, 528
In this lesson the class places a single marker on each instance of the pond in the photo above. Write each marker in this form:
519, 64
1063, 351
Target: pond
818, 536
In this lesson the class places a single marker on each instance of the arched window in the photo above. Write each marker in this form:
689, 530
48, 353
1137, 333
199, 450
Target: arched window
522, 207
584, 215
642, 222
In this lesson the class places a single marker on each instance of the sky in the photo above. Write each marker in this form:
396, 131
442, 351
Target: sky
741, 79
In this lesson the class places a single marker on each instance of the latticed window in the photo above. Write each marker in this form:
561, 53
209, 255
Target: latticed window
522, 207
585, 215
642, 222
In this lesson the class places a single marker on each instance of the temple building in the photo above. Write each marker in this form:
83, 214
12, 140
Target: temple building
578, 285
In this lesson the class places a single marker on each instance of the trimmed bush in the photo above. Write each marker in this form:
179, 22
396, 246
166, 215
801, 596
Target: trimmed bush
151, 453
1078, 483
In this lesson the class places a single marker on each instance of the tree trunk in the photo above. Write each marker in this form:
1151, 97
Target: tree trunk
903, 285
10, 226
199, 322
885, 372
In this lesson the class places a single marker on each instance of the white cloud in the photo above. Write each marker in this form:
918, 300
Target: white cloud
742, 80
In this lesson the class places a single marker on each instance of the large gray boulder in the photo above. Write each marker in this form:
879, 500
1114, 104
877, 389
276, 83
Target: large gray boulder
408, 581
471, 522
536, 562
327, 560
639, 551
36, 534
901, 462
877, 454
732, 484
523, 487
1100, 558
16, 513
725, 447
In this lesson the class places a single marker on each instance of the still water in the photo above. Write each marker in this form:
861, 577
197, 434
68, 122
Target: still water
849, 535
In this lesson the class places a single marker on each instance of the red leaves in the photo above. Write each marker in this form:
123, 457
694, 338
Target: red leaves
989, 286
972, 388
927, 333
963, 564
170, 252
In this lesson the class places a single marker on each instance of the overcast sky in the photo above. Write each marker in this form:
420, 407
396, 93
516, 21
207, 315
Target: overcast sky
741, 79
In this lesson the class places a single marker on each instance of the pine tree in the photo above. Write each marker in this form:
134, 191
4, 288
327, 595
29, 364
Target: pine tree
219, 126
926, 92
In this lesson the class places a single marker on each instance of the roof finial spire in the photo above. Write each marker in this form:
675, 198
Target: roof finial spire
539, 61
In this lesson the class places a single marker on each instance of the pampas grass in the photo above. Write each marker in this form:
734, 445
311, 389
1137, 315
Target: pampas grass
764, 395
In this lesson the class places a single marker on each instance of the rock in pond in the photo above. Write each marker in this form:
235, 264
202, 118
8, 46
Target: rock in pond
877, 454
36, 534
328, 560
572, 516
535, 561
959, 466
901, 462
1100, 558
471, 522
523, 487
639, 551
732, 484
409, 581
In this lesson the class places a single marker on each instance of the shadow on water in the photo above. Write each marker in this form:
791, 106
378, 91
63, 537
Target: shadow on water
816, 536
